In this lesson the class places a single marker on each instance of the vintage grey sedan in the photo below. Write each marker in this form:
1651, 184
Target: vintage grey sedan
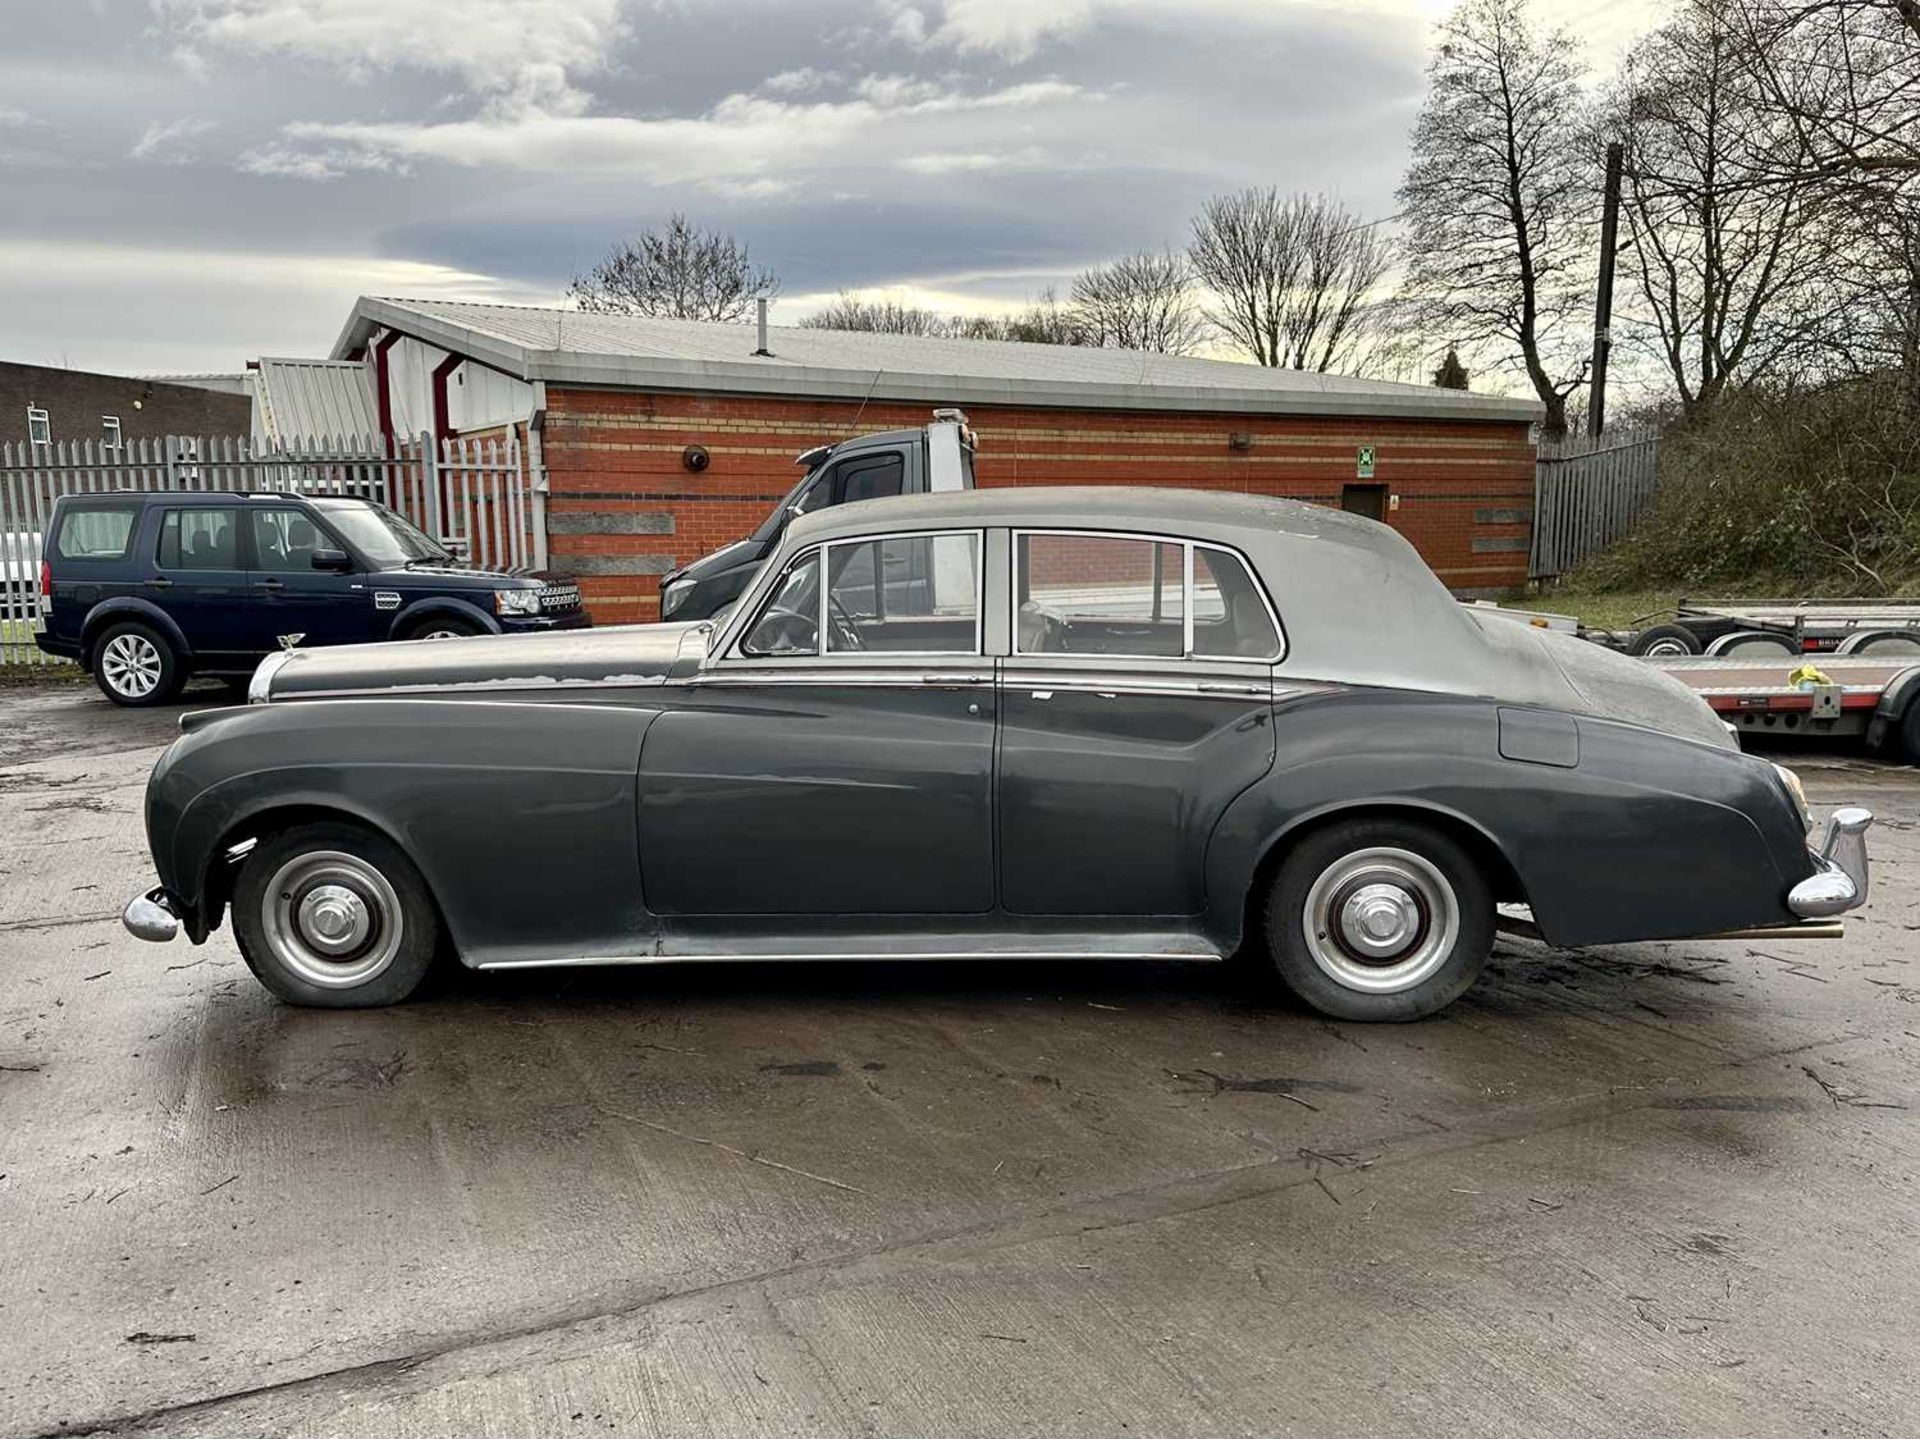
1013, 724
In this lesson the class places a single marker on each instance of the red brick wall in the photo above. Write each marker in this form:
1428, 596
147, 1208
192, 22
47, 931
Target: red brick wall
1465, 487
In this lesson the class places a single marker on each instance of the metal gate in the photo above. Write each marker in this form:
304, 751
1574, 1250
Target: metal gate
479, 493
1586, 494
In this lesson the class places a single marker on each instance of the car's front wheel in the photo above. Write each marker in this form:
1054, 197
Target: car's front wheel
1379, 919
134, 665
335, 916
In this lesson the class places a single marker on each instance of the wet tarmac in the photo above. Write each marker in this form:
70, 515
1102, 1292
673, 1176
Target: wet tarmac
1659, 1189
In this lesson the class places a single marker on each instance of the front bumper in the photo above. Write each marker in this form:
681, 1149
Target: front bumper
1839, 879
539, 624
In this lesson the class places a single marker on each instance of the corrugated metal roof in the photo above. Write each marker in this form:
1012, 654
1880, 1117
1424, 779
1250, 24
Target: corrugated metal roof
314, 399
639, 351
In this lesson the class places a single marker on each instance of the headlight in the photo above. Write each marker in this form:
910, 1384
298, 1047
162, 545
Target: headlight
673, 594
1799, 793
516, 602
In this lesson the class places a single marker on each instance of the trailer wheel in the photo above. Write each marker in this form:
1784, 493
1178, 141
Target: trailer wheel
1910, 730
1664, 642
1884, 644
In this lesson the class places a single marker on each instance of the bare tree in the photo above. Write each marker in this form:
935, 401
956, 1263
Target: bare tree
1499, 196
682, 272
1730, 246
1292, 275
883, 317
1143, 301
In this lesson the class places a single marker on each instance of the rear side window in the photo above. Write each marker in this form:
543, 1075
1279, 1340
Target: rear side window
199, 540
95, 532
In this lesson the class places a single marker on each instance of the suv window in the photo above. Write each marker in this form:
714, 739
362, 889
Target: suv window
284, 541
199, 539
926, 600
95, 532
1117, 595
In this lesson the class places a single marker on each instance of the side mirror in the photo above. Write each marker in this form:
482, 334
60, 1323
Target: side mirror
333, 562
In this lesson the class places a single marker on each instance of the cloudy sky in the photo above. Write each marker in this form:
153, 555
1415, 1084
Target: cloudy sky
191, 183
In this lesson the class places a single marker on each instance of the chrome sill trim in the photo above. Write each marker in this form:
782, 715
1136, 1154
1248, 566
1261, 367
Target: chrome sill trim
842, 956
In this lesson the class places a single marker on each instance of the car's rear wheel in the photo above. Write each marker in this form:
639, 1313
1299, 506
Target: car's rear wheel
335, 916
1379, 919
134, 665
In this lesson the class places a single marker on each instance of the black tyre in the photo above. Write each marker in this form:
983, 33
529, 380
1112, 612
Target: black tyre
334, 916
1910, 730
436, 627
135, 665
1379, 919
1665, 640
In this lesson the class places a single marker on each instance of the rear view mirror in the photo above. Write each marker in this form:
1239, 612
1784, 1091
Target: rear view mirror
333, 562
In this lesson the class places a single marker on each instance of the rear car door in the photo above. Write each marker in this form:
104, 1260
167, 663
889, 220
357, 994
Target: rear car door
838, 761
1137, 703
199, 578
290, 596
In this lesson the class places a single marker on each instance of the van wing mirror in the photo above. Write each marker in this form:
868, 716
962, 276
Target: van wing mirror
333, 562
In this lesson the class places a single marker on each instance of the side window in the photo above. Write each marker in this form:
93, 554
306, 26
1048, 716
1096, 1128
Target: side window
905, 594
199, 539
1230, 617
871, 479
789, 623
95, 534
284, 540
1100, 595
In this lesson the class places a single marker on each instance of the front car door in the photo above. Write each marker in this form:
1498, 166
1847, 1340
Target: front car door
838, 759
199, 578
1136, 705
290, 596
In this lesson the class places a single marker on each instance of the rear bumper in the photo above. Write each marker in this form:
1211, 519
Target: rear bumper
1839, 879
55, 645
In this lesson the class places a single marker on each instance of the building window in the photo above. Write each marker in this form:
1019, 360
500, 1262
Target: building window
39, 427
110, 432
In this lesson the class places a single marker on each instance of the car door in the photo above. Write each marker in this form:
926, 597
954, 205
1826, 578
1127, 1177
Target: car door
837, 761
1136, 705
198, 578
291, 597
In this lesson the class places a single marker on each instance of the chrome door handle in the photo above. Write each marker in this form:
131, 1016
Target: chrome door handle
1250, 691
955, 679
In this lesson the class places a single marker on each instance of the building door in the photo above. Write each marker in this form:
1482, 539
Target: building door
1368, 500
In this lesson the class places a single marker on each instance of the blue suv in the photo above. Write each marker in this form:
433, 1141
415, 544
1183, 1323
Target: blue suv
145, 589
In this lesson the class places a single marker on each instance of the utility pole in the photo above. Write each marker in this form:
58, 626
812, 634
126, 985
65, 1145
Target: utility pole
1603, 297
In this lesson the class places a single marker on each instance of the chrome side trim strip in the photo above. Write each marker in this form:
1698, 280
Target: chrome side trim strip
772, 956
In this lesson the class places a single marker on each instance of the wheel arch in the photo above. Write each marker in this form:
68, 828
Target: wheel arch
270, 816
1502, 875
409, 619
122, 608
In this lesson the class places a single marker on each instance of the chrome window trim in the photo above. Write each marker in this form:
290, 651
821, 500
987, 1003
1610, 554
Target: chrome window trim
1188, 546
734, 656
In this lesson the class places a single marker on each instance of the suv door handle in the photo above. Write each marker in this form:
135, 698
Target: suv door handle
160, 582
272, 584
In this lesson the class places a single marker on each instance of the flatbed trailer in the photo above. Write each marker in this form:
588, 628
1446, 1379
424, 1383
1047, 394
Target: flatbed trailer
1874, 699
1755, 629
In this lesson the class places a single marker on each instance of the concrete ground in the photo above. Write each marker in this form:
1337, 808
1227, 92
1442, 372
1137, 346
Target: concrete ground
1660, 1189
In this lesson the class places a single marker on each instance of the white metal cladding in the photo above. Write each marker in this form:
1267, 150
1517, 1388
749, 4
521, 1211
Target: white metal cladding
483, 493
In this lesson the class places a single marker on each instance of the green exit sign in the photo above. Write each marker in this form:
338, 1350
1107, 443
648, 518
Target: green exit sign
1363, 464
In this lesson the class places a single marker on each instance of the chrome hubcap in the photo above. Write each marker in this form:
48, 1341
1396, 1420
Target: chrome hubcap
332, 918
1381, 921
131, 665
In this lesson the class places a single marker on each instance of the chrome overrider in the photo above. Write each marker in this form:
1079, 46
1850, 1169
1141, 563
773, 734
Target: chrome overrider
1839, 880
151, 917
